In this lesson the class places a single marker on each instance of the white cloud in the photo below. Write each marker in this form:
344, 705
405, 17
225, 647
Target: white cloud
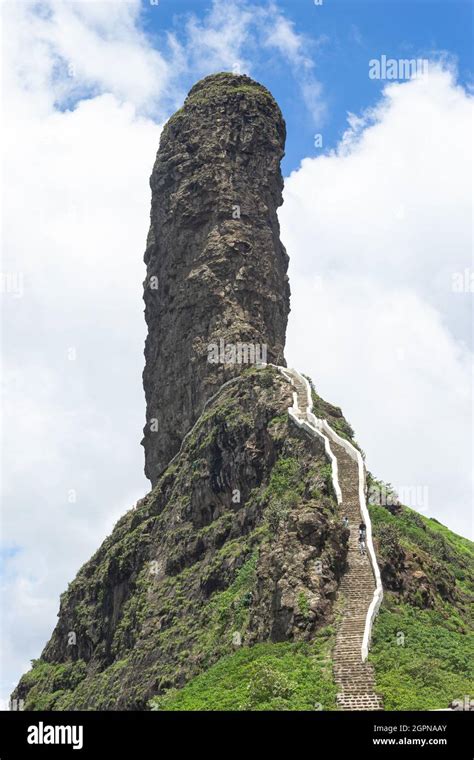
312, 92
76, 218
81, 48
375, 231
237, 35
217, 42
281, 36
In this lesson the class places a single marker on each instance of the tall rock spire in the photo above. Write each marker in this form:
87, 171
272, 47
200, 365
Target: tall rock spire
216, 269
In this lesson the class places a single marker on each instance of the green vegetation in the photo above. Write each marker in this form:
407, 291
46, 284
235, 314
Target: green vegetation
423, 657
326, 472
285, 481
107, 687
285, 676
48, 682
221, 87
326, 411
420, 664
193, 622
229, 609
303, 604
287, 486
442, 552
283, 492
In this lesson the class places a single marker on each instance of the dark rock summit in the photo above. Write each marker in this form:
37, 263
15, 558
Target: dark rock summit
216, 269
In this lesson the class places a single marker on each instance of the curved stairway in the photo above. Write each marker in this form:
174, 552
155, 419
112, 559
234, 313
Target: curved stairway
353, 676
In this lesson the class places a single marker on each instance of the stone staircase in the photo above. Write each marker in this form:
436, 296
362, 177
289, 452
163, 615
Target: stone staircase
354, 677
301, 396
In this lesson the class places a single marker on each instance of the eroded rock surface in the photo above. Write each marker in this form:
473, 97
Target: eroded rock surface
241, 537
216, 269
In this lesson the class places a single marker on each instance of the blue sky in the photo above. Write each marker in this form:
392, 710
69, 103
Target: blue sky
377, 225
342, 36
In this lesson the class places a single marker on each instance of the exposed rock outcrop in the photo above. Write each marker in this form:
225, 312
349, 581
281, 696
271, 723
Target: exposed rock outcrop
216, 269
226, 545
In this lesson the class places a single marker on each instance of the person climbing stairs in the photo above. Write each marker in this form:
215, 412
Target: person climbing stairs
354, 677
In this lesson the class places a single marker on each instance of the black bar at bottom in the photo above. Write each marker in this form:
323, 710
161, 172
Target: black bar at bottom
160, 734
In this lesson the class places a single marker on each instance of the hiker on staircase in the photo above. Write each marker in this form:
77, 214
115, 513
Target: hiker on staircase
362, 536
353, 675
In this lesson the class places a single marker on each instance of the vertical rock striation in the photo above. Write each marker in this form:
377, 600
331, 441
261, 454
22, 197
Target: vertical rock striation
216, 269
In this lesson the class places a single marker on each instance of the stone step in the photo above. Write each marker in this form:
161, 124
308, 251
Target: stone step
354, 678
363, 702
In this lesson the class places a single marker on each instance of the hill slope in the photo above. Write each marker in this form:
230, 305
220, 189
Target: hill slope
217, 591
423, 643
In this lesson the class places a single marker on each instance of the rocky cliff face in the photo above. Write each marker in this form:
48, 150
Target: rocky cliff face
216, 269
238, 543
217, 591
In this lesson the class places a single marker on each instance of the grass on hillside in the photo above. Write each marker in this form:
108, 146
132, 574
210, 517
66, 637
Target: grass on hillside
282, 676
432, 539
420, 663
424, 658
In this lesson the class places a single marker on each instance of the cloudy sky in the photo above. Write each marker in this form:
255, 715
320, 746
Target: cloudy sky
377, 222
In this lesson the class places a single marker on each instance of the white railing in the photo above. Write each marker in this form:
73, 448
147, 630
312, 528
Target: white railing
321, 427
316, 426
293, 413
